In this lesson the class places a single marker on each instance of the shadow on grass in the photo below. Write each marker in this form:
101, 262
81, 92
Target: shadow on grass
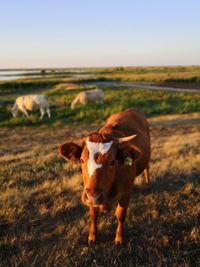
158, 240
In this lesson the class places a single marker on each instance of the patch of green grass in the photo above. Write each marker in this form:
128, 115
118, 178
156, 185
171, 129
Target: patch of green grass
151, 103
193, 79
25, 86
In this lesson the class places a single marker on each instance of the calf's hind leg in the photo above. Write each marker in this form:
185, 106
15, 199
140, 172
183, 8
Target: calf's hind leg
48, 112
42, 111
146, 176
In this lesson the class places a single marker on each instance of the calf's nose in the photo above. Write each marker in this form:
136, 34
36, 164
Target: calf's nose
93, 197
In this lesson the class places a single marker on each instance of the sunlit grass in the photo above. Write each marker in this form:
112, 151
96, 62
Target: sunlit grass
42, 220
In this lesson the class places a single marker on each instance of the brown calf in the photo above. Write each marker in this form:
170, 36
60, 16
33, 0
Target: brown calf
110, 161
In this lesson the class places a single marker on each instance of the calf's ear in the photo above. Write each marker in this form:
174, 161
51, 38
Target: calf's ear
129, 151
135, 152
70, 151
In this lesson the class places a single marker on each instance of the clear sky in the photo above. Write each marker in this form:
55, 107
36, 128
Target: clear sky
78, 33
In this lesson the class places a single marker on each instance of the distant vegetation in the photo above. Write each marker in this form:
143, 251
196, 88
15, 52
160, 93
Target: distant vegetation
153, 74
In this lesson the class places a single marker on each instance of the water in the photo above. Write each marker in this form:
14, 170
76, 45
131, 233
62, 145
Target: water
17, 74
9, 75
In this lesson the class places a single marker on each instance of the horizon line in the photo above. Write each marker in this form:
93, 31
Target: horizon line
96, 67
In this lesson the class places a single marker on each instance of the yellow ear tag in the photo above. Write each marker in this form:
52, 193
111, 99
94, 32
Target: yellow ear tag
128, 161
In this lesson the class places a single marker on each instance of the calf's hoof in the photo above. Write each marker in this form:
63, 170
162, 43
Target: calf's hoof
91, 239
147, 188
91, 242
118, 240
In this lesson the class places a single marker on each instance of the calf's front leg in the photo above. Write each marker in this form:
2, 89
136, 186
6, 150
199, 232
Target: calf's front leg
94, 211
121, 216
24, 111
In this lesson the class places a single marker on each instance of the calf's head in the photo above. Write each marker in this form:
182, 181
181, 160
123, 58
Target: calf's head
100, 160
15, 110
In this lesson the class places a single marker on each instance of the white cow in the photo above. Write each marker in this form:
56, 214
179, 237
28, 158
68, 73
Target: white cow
31, 103
85, 97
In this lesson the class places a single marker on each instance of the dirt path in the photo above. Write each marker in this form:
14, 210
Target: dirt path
145, 86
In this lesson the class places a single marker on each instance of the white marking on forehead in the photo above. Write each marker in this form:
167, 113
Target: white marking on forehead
93, 149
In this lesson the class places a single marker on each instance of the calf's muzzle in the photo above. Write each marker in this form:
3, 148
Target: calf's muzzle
93, 197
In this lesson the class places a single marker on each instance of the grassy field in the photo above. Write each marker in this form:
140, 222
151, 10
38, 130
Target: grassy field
153, 77
42, 220
152, 103
167, 75
43, 223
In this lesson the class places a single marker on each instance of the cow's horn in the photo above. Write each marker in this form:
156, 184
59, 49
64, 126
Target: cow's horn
75, 138
126, 139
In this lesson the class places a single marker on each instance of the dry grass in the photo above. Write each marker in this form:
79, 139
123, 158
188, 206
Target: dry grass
43, 223
72, 86
151, 76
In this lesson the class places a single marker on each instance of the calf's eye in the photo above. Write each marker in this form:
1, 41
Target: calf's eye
82, 161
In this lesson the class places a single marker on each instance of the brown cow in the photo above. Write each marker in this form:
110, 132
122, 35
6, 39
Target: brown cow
111, 159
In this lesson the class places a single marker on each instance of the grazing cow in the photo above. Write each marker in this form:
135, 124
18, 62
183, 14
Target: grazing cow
85, 97
31, 103
111, 159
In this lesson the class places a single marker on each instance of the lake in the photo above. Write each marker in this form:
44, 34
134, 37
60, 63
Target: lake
8, 75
